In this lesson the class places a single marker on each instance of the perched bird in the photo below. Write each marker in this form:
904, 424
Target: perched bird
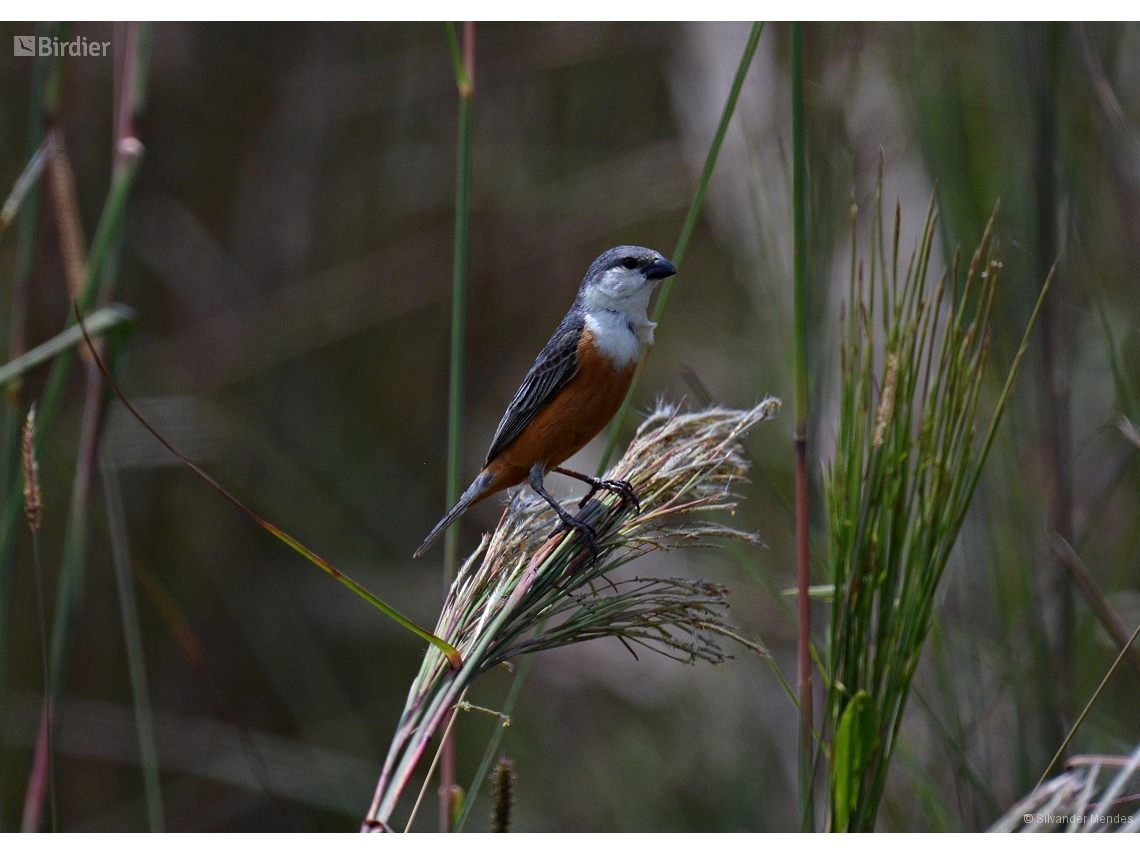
574, 387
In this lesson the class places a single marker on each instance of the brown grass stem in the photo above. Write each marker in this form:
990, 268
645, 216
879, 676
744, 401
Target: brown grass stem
464, 64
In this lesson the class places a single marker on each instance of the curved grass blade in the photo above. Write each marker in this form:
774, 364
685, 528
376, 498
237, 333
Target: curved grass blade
446, 649
98, 323
686, 230
23, 184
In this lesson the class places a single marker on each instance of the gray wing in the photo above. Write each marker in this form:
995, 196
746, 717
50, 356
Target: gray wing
556, 364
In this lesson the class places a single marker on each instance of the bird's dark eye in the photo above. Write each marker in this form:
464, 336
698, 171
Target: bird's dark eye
629, 262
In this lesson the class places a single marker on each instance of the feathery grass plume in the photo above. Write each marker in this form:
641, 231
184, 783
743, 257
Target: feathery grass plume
524, 590
503, 782
904, 472
1074, 800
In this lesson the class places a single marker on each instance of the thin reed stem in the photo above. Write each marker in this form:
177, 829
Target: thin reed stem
686, 230
492, 749
465, 83
97, 288
1084, 713
26, 243
132, 636
33, 510
803, 565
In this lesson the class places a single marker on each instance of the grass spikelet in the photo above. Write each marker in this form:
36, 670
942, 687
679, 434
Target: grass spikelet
503, 782
524, 590
33, 502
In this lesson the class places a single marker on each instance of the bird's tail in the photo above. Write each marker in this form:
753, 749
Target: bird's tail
471, 495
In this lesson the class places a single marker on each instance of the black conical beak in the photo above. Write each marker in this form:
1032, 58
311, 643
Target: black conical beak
662, 268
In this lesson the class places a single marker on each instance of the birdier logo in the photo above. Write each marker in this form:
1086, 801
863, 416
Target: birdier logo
48, 46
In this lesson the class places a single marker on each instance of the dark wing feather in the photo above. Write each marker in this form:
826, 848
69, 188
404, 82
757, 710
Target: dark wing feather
556, 364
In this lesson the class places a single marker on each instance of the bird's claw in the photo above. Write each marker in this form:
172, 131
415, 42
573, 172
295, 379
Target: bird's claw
583, 528
622, 488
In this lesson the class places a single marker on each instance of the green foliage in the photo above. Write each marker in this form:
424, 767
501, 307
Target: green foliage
905, 468
855, 742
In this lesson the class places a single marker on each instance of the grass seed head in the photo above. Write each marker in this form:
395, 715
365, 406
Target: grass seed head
33, 503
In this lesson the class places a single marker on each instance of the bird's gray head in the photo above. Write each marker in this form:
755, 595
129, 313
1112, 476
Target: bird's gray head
621, 279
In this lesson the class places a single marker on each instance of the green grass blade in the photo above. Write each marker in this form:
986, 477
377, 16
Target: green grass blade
99, 322
445, 648
1084, 713
855, 742
132, 636
686, 230
13, 412
803, 565
24, 183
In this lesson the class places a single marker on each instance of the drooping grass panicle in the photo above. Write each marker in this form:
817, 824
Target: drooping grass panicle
524, 589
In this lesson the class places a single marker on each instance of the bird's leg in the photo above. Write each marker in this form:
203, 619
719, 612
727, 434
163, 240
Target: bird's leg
536, 473
622, 488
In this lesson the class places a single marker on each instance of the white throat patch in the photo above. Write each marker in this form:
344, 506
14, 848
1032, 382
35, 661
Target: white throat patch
615, 308
619, 337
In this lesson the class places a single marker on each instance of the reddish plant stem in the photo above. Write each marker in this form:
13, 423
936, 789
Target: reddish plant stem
447, 788
71, 240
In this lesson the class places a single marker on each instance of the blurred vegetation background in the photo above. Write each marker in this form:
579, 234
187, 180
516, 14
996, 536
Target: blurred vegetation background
288, 256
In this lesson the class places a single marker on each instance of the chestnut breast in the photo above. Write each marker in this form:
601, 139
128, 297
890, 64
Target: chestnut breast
577, 413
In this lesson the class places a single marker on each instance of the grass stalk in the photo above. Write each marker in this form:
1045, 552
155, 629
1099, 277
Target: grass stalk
97, 288
98, 323
27, 236
28, 180
906, 466
111, 218
492, 749
1094, 597
33, 506
803, 566
445, 649
1088, 706
1066, 804
132, 636
687, 229
464, 64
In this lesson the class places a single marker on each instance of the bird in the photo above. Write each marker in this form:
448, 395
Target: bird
574, 388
